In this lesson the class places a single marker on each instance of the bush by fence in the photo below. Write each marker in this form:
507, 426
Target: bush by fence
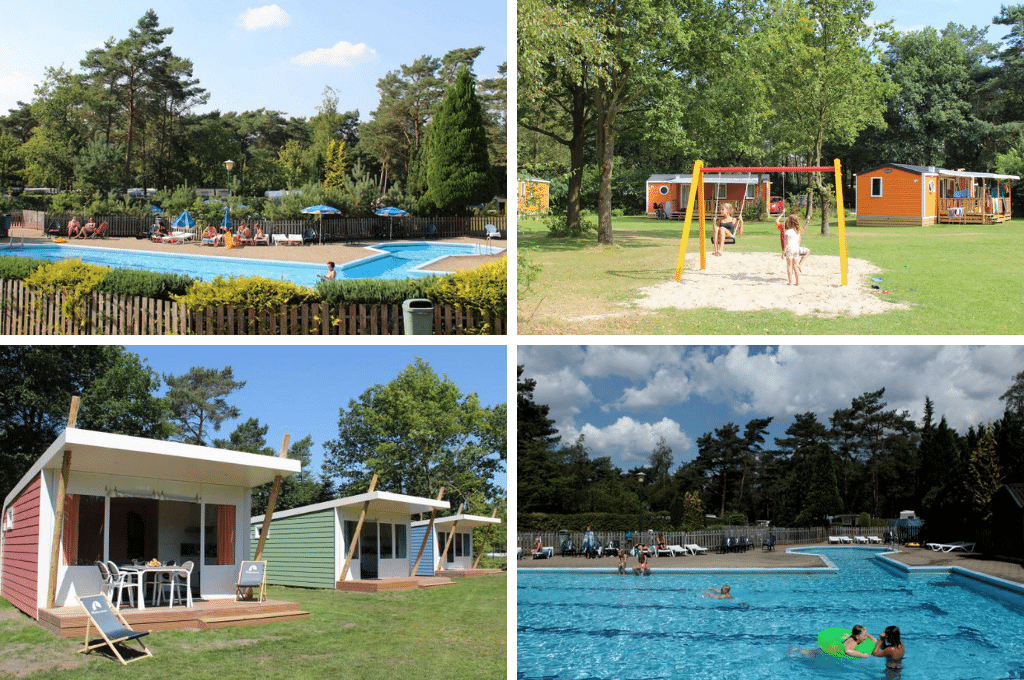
26, 312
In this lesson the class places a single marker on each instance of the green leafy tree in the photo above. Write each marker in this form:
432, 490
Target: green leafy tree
336, 166
984, 476
459, 168
198, 402
419, 432
117, 391
822, 497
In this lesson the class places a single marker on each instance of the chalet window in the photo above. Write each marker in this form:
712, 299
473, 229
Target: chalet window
722, 191
467, 545
386, 542
663, 190
876, 187
751, 191
9, 519
401, 542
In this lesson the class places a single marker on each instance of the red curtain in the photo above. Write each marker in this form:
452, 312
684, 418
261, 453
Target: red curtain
225, 534
70, 529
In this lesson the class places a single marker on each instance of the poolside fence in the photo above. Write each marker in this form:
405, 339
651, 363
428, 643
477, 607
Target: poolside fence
709, 538
26, 312
329, 228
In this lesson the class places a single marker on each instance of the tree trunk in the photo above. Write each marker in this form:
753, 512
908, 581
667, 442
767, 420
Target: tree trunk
605, 158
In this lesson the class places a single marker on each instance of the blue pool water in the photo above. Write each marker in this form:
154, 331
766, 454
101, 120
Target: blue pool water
387, 261
609, 626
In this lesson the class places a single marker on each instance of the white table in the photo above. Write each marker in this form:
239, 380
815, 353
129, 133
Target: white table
142, 572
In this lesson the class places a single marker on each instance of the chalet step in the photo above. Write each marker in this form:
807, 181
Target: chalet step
209, 622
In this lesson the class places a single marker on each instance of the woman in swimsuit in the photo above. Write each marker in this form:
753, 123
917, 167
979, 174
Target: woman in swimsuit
891, 647
725, 224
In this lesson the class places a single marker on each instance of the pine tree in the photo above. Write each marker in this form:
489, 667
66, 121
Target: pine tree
984, 476
822, 497
458, 165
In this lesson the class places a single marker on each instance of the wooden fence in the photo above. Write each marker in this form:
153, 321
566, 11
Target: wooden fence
26, 312
328, 229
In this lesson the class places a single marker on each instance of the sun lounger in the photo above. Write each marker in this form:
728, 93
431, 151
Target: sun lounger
544, 553
664, 552
295, 239
874, 539
860, 539
279, 239
696, 549
678, 550
835, 539
845, 539
950, 547
178, 237
112, 627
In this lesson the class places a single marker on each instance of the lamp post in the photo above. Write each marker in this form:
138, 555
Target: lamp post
229, 164
640, 478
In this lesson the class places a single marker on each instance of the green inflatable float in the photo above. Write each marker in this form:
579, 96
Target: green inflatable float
831, 642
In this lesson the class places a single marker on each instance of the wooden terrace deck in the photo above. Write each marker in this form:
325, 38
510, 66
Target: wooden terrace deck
69, 622
381, 585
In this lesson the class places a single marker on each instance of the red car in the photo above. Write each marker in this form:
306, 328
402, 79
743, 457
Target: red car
776, 204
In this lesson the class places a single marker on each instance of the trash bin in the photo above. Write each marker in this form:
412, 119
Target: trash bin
5, 226
419, 316
563, 541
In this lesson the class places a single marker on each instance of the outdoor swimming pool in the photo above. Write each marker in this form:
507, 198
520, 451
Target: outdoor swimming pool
609, 626
397, 261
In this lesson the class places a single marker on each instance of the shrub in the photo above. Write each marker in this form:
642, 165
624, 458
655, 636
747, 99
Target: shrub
157, 285
19, 268
73, 278
252, 292
484, 289
373, 291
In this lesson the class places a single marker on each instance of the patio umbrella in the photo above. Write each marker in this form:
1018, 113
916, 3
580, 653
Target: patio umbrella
320, 210
392, 212
226, 222
153, 210
184, 221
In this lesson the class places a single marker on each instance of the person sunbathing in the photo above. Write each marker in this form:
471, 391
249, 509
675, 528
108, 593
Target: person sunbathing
74, 227
210, 235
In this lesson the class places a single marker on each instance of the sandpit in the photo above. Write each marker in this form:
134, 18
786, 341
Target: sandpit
740, 282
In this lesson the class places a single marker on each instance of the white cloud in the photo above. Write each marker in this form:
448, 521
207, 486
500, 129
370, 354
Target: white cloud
342, 54
15, 87
268, 16
629, 442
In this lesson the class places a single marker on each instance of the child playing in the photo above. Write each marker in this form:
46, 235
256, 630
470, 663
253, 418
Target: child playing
725, 223
791, 248
622, 562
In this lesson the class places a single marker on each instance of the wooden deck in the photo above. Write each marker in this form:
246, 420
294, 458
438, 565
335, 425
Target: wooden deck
69, 622
468, 572
381, 585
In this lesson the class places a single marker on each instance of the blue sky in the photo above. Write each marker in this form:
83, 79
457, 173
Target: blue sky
913, 15
250, 55
624, 398
299, 389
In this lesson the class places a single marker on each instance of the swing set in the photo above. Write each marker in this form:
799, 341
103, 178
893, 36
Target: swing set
698, 181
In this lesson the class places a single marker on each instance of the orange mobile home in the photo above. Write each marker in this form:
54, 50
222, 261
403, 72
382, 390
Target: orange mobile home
670, 192
898, 195
533, 195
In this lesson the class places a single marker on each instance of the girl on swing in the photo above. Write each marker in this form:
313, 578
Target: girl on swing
791, 248
725, 223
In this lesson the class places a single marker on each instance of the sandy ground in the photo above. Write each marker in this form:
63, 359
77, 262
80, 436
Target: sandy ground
779, 558
339, 253
740, 282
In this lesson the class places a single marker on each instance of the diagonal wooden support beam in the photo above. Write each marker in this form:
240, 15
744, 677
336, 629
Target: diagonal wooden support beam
271, 502
451, 534
354, 540
58, 519
427, 536
487, 537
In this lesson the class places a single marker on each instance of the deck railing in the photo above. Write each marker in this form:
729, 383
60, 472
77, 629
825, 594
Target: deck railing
26, 312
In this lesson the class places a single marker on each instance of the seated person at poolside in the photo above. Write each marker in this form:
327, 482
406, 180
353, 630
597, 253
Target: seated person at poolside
210, 235
161, 231
537, 547
661, 542
723, 594
74, 227
244, 235
725, 224
642, 568
88, 229
622, 562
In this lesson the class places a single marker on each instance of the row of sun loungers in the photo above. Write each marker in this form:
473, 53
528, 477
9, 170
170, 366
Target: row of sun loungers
668, 551
854, 539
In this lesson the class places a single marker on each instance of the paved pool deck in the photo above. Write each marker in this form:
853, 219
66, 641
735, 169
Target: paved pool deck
339, 253
780, 559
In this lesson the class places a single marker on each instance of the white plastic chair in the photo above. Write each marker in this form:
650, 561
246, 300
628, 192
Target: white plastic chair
121, 580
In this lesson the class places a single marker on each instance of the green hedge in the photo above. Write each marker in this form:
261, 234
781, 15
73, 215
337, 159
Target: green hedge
539, 522
374, 291
156, 285
19, 268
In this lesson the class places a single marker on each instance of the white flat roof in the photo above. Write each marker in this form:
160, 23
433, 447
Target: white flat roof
379, 500
718, 178
463, 521
124, 456
976, 175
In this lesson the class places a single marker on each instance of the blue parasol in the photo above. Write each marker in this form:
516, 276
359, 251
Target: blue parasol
392, 212
184, 221
320, 210
153, 210
226, 222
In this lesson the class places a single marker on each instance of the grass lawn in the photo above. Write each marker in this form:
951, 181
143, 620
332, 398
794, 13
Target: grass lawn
454, 631
959, 279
